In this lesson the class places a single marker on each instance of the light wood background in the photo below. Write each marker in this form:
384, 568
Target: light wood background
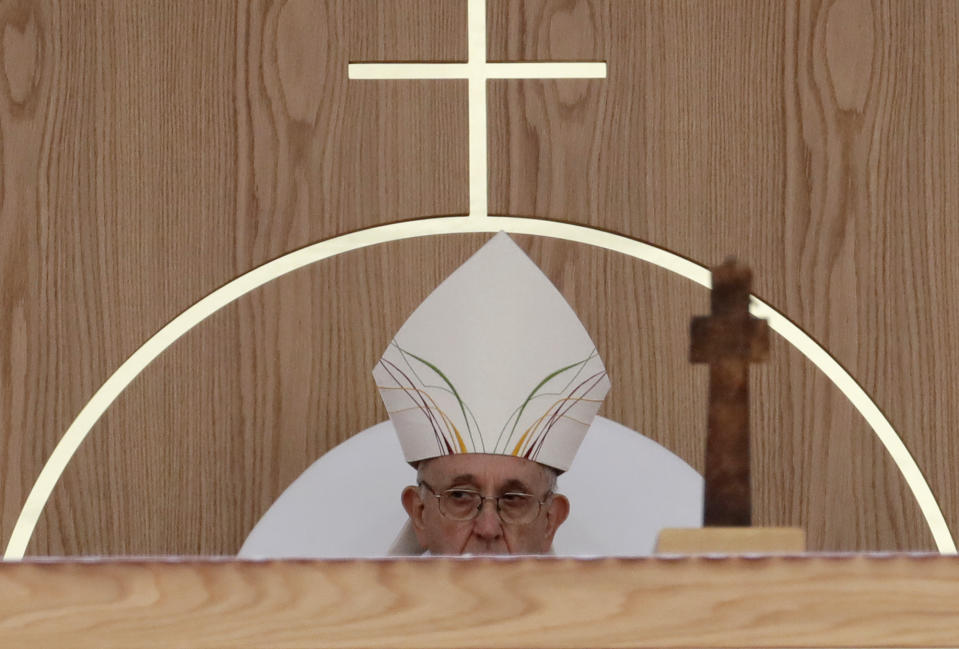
151, 151
811, 601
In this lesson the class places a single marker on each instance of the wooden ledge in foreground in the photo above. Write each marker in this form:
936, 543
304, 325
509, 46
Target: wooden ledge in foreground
783, 601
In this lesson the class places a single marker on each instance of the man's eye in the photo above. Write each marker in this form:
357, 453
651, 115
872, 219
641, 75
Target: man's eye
460, 494
513, 499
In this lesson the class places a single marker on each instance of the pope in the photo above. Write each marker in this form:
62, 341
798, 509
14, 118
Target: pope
491, 385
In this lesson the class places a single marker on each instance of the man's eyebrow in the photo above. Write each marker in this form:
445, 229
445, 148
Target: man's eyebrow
464, 478
516, 485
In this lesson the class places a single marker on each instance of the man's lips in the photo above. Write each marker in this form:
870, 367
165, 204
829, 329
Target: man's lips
487, 548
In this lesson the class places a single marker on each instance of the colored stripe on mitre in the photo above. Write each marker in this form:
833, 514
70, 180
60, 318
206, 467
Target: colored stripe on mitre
550, 424
426, 409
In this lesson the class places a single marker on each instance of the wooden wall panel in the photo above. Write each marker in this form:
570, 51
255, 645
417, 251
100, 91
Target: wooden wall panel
320, 155
116, 183
151, 152
867, 172
900, 192
814, 140
681, 145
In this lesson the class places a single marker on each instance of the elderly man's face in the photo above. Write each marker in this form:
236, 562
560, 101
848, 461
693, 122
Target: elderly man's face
493, 476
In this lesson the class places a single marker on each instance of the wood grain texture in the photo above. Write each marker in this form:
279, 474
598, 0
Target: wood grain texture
143, 166
904, 601
320, 155
881, 221
108, 227
150, 152
815, 141
731, 540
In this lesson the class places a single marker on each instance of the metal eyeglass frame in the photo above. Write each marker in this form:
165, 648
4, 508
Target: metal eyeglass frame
483, 499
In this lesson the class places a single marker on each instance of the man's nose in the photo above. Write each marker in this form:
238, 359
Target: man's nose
487, 523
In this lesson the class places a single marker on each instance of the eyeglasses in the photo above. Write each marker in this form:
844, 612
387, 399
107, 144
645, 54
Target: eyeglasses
513, 508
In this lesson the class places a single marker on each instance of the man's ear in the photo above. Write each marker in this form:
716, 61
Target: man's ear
414, 507
557, 512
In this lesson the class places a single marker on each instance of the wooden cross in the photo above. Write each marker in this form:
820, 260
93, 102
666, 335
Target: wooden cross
729, 340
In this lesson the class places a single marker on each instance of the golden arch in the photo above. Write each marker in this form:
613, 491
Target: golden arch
191, 317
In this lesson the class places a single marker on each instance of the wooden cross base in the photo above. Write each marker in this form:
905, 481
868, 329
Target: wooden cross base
731, 540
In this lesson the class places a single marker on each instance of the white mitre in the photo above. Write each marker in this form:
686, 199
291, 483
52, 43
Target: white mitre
493, 361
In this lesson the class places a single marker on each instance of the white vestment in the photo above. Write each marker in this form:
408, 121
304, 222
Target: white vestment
623, 488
